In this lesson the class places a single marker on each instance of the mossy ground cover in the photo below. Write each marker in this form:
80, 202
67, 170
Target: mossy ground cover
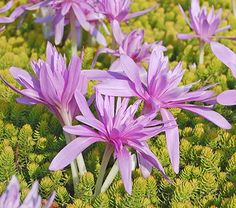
30, 136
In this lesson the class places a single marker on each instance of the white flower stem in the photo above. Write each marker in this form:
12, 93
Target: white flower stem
74, 34
73, 166
233, 3
114, 171
202, 53
47, 27
80, 160
113, 46
106, 157
110, 178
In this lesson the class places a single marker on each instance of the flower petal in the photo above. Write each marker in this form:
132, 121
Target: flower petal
172, 137
209, 114
182, 36
80, 130
136, 14
59, 29
72, 82
103, 75
132, 71
144, 166
71, 151
225, 55
125, 165
83, 105
116, 88
227, 98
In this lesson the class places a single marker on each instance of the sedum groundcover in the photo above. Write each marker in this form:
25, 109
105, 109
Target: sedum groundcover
199, 171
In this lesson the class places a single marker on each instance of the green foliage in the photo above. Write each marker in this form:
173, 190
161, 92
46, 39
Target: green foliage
30, 136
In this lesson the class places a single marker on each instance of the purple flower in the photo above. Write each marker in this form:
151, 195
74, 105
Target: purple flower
118, 9
205, 25
53, 84
77, 13
117, 126
80, 12
132, 45
159, 89
11, 198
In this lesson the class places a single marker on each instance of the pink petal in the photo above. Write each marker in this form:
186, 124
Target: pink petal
98, 36
185, 16
70, 152
59, 29
80, 130
185, 36
209, 114
227, 98
172, 136
136, 14
144, 166
225, 55
103, 75
72, 82
132, 71
117, 32
116, 88
81, 17
125, 166
83, 105
6, 7
24, 78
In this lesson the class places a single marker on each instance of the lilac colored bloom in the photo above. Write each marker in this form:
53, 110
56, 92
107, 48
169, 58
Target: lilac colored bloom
118, 9
53, 84
159, 89
11, 198
117, 126
77, 13
205, 25
131, 44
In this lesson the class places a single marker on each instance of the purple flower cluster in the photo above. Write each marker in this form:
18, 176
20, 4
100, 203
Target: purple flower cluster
86, 14
159, 89
11, 198
129, 96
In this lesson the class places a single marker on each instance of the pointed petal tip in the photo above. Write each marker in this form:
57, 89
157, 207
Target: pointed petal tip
176, 170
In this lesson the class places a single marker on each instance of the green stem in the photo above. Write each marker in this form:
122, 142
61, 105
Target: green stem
106, 157
202, 53
233, 3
